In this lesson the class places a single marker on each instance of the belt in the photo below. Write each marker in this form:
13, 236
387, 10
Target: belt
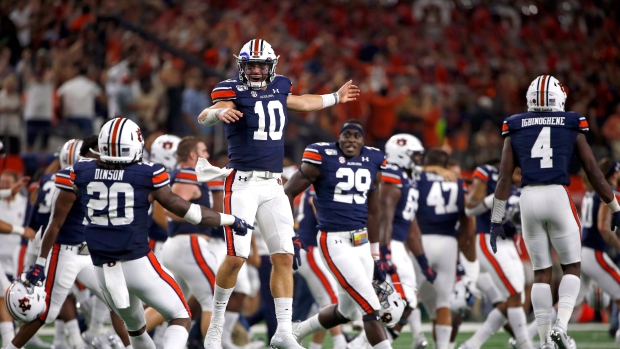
81, 249
257, 174
357, 237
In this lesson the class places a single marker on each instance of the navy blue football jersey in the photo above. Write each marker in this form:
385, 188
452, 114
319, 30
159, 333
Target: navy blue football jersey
306, 218
440, 205
342, 188
156, 232
256, 141
187, 175
42, 209
117, 203
72, 230
544, 144
590, 235
407, 204
488, 174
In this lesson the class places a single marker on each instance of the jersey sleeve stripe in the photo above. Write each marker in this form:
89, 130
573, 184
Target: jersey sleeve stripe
161, 179
583, 124
222, 95
216, 185
158, 171
480, 175
390, 180
64, 183
187, 176
312, 156
384, 164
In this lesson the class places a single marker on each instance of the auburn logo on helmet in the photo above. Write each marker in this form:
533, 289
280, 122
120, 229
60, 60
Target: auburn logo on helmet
387, 318
24, 304
401, 142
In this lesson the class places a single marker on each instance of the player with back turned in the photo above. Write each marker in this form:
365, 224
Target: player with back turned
254, 107
542, 142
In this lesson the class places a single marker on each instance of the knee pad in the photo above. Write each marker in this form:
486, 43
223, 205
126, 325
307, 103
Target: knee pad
374, 316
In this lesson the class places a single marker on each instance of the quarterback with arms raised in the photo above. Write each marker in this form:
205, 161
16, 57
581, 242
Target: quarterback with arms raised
542, 142
254, 108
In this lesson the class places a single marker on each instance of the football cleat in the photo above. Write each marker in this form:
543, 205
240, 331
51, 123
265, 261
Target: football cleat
560, 338
421, 343
284, 341
213, 339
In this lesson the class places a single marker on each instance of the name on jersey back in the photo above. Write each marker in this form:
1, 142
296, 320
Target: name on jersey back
559, 120
115, 175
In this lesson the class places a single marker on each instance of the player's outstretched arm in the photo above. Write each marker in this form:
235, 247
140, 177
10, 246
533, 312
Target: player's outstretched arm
595, 176
300, 181
477, 202
222, 110
305, 103
192, 213
388, 199
7, 193
6, 228
62, 205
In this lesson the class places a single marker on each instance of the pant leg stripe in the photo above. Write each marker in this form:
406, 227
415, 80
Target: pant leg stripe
51, 277
202, 263
168, 279
322, 277
230, 241
498, 270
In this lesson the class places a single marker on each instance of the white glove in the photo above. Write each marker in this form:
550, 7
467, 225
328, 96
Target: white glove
206, 172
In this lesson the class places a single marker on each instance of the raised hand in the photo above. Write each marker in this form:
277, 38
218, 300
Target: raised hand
241, 227
348, 92
497, 229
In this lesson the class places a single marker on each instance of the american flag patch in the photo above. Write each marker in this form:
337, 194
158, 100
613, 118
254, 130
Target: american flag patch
551, 101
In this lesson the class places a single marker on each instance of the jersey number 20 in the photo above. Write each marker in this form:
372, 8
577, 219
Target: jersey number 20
108, 198
542, 148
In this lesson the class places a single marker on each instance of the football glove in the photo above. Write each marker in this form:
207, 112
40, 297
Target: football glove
615, 221
380, 271
386, 257
298, 245
428, 272
240, 226
36, 274
497, 229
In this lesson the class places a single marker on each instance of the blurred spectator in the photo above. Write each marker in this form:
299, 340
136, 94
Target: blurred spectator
125, 98
117, 79
10, 116
383, 111
611, 132
76, 100
487, 143
150, 105
195, 99
39, 101
21, 19
8, 35
13, 212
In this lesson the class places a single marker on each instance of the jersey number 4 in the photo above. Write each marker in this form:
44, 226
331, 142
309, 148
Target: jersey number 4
542, 148
104, 210
273, 107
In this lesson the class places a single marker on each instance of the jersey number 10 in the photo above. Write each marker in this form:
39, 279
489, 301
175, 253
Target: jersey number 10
542, 148
273, 107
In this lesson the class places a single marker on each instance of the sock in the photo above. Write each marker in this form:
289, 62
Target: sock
284, 314
542, 302
308, 327
442, 332
516, 317
176, 337
143, 341
159, 334
7, 332
230, 319
220, 300
452, 345
75, 336
59, 332
339, 341
495, 320
98, 317
315, 345
567, 295
382, 345
415, 321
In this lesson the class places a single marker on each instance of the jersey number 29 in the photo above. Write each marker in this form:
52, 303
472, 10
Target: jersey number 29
542, 148
108, 202
359, 179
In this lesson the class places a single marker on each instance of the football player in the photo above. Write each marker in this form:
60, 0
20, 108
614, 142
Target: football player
505, 269
185, 253
346, 176
321, 283
254, 109
598, 237
63, 245
441, 206
542, 142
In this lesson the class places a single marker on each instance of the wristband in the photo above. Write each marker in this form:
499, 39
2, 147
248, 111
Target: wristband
613, 205
226, 219
488, 201
330, 99
422, 261
5, 193
499, 206
17, 230
386, 251
194, 214
41, 261
375, 250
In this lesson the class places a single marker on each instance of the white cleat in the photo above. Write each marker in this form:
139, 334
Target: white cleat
512, 343
421, 343
560, 338
213, 339
284, 341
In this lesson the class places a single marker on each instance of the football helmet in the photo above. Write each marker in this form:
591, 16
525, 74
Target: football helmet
462, 299
259, 51
120, 141
164, 151
1, 150
546, 93
401, 148
69, 153
392, 304
25, 302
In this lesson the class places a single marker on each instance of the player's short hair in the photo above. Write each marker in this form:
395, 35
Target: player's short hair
11, 173
436, 157
90, 142
186, 146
